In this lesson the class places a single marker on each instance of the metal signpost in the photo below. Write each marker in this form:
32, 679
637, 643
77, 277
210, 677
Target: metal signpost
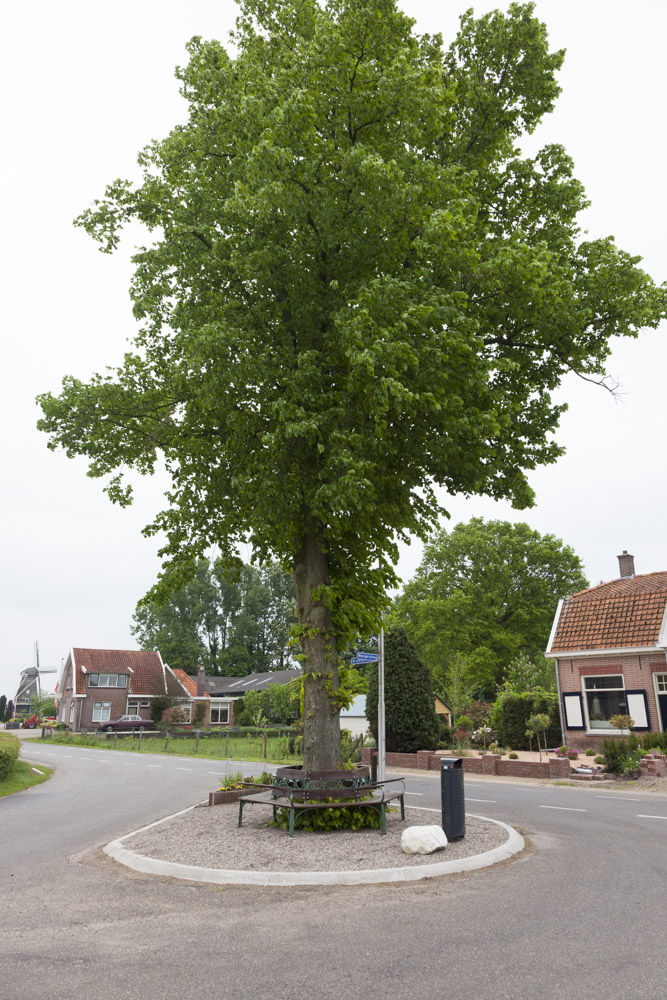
379, 659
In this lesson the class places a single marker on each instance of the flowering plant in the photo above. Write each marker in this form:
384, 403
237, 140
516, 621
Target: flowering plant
567, 752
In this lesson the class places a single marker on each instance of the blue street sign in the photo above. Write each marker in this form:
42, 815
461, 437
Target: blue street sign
366, 658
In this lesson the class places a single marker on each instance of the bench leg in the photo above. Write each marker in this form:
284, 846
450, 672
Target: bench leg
383, 818
291, 821
240, 812
402, 807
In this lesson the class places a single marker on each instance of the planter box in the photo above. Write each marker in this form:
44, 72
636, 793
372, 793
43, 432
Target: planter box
221, 798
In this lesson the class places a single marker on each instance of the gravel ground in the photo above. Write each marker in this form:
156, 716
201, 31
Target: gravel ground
209, 837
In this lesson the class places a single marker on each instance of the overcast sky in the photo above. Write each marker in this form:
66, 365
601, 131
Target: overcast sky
85, 86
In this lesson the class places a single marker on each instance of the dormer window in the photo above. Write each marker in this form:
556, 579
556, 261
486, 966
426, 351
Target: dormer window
107, 680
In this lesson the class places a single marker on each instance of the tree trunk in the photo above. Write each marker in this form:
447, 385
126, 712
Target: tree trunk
321, 729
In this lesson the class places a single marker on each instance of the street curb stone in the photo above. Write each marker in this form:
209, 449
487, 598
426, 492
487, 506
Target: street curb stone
221, 876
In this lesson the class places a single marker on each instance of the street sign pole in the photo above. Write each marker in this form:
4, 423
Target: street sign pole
382, 774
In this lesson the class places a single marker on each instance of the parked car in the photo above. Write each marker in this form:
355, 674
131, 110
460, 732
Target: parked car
127, 722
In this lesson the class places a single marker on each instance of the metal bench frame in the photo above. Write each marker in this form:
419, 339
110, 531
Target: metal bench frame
298, 802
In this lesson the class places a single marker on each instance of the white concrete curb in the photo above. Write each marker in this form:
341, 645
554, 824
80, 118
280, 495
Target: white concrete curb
222, 876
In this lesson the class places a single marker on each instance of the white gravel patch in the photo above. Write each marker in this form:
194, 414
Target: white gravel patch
208, 837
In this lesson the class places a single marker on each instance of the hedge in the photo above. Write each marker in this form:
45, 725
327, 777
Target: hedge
9, 754
510, 714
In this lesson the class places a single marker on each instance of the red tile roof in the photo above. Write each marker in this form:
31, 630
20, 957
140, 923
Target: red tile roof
144, 668
188, 682
616, 615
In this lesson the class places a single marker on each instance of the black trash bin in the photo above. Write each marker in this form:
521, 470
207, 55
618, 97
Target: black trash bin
453, 797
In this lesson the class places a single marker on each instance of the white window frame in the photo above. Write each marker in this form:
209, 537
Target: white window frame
586, 691
219, 706
101, 711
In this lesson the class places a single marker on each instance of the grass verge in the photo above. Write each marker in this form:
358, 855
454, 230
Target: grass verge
248, 748
22, 776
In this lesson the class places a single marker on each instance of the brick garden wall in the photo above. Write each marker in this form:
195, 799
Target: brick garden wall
493, 764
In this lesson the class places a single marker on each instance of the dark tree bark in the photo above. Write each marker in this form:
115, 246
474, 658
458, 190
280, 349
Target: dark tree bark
321, 728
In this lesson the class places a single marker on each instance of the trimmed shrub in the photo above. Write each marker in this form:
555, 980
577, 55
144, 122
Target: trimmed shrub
411, 722
511, 712
9, 754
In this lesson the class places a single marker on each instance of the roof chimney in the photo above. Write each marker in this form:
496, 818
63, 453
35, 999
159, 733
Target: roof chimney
626, 565
201, 683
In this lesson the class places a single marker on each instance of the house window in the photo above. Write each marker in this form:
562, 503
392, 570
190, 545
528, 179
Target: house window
219, 712
71, 713
101, 711
107, 680
661, 681
604, 696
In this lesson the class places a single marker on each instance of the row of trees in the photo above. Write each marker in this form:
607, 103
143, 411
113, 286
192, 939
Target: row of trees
233, 624
478, 611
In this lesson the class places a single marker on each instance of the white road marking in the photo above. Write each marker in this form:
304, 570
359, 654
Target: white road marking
183, 768
468, 799
413, 793
649, 816
156, 765
617, 798
564, 808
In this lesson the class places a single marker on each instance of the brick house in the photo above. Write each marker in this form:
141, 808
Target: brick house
101, 684
609, 646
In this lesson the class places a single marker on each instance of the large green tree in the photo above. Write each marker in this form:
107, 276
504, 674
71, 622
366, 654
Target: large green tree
487, 591
230, 625
356, 289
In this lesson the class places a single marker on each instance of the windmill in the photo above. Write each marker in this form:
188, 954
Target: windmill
29, 684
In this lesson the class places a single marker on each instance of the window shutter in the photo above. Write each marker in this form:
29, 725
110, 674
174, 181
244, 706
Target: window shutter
574, 711
638, 710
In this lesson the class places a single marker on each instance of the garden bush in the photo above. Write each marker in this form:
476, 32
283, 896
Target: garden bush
344, 818
510, 714
9, 754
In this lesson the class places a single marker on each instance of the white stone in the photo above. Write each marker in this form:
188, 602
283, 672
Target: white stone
423, 839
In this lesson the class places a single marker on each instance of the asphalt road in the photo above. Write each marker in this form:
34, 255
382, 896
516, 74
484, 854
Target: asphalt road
581, 912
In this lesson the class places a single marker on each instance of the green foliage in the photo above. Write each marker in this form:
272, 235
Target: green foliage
278, 703
591, 752
622, 722
619, 752
488, 590
464, 722
350, 747
22, 776
354, 289
525, 674
232, 622
456, 678
9, 753
198, 714
343, 818
43, 704
512, 712
410, 720
160, 704
3, 707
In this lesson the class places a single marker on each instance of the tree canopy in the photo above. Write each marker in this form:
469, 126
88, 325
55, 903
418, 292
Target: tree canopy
488, 591
232, 625
357, 289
